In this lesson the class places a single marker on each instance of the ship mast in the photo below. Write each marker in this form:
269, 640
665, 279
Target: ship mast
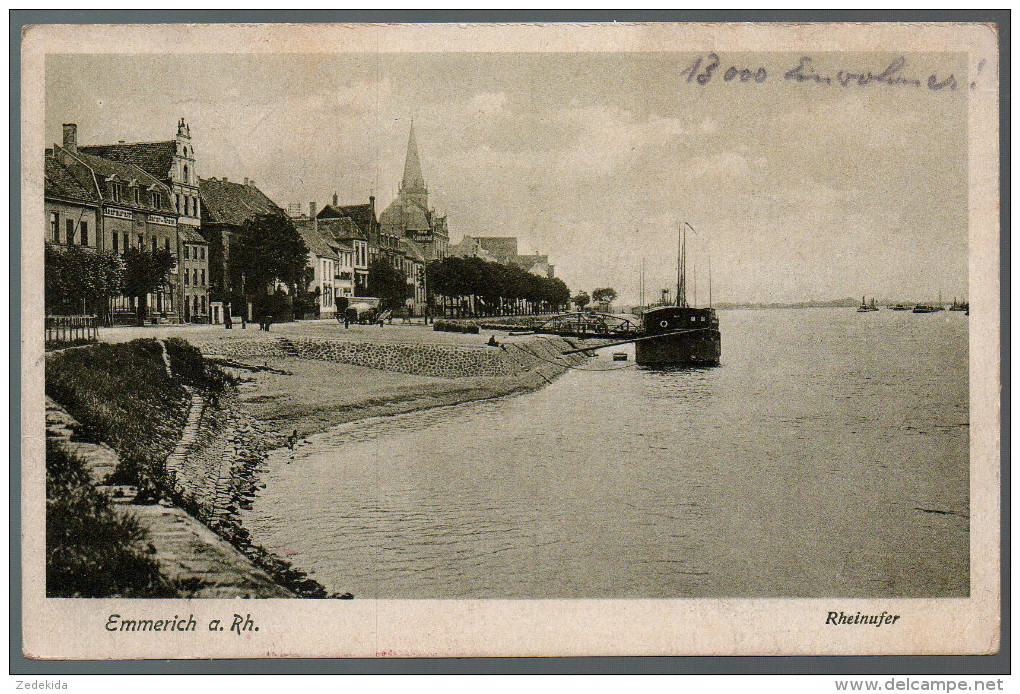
642, 299
710, 274
694, 273
681, 268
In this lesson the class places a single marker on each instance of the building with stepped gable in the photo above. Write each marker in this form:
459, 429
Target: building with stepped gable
112, 205
173, 163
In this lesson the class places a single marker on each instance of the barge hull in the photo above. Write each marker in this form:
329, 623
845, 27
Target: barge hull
702, 348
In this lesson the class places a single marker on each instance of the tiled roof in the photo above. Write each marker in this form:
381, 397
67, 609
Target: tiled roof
224, 202
341, 228
329, 212
405, 215
411, 249
362, 215
105, 168
502, 248
529, 261
60, 183
154, 157
317, 245
191, 235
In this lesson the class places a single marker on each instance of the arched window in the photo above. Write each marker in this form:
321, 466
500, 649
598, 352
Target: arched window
186, 179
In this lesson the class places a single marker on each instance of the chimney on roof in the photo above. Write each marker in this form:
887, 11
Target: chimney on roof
120, 142
245, 180
311, 215
225, 179
252, 183
71, 137
336, 201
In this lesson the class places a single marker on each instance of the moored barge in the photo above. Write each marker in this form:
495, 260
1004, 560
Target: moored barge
679, 336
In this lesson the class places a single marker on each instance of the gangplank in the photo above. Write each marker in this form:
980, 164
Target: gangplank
582, 324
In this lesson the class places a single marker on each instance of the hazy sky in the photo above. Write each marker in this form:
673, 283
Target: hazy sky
798, 190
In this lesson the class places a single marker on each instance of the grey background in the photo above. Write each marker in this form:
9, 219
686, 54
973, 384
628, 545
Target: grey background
878, 665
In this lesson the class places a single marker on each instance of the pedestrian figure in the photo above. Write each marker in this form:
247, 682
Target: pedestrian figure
292, 439
244, 322
269, 322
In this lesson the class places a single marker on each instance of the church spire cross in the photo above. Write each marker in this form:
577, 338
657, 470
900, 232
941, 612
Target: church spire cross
414, 179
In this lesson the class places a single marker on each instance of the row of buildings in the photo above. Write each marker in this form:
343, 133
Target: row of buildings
502, 249
149, 195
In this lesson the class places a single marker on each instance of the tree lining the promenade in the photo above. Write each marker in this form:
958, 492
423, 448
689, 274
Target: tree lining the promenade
80, 280
266, 251
389, 284
476, 287
145, 272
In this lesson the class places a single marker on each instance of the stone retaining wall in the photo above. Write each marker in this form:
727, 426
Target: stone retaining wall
443, 361
219, 443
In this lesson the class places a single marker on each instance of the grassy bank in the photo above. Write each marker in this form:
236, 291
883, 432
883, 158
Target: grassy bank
122, 395
92, 550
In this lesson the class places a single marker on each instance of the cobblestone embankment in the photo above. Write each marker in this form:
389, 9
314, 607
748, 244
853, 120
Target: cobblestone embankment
538, 354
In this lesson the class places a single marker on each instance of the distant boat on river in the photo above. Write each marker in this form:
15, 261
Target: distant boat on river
867, 308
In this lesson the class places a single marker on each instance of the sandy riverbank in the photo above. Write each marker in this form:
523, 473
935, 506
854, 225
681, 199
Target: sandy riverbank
311, 396
290, 391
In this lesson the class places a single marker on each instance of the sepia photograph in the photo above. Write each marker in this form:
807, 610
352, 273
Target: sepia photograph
476, 328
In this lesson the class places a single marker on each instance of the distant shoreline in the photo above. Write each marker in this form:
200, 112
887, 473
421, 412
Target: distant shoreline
852, 303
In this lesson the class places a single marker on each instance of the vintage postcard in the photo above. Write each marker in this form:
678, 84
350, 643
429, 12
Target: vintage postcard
410, 340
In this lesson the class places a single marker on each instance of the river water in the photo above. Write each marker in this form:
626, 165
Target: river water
827, 456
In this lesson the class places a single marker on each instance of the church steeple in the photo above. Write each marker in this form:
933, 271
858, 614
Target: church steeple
414, 180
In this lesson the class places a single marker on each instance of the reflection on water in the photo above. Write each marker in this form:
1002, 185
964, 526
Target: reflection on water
827, 456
